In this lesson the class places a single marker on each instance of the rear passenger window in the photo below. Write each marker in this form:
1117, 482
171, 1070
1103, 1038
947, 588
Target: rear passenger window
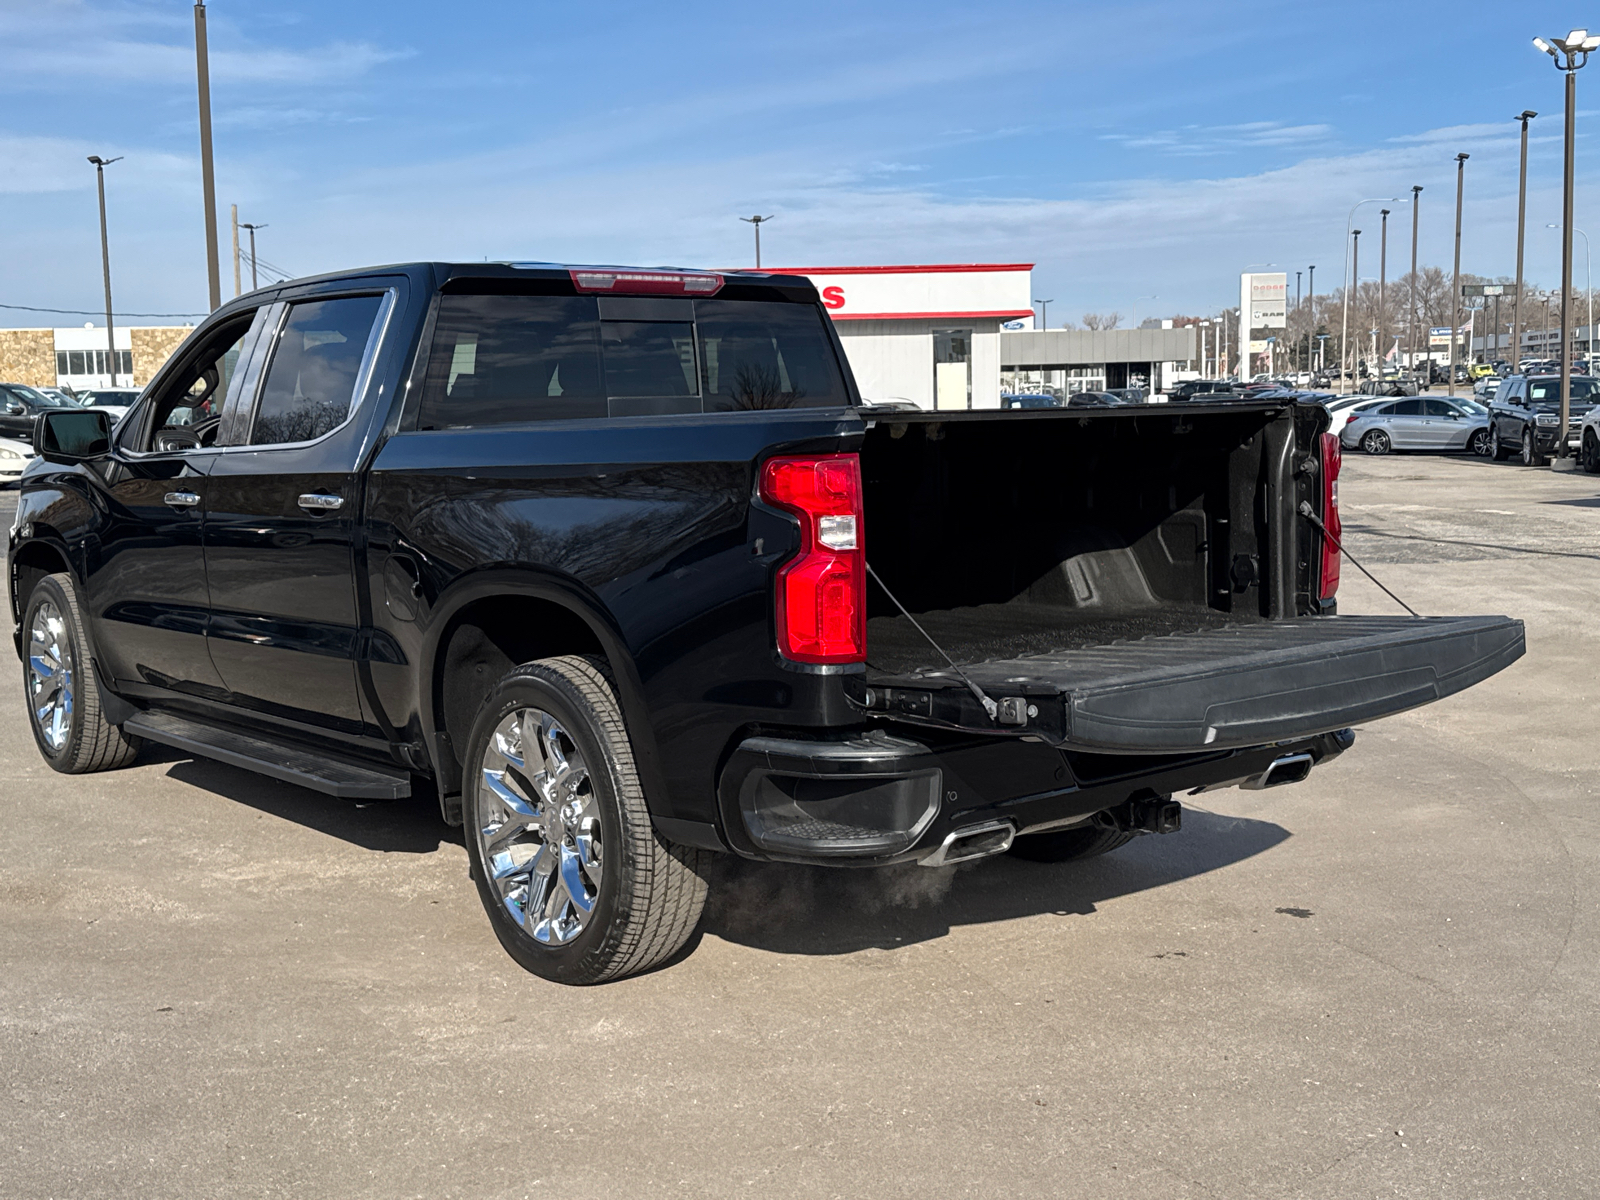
504, 359
1405, 408
316, 365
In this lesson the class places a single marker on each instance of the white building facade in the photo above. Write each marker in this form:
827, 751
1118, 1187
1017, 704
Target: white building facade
928, 334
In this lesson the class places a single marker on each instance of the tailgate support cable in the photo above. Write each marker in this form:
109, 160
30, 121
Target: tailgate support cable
989, 706
1309, 514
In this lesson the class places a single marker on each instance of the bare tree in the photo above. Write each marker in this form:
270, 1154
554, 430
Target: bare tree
1102, 321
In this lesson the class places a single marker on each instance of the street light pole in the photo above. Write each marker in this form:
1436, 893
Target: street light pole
1526, 115
1355, 274
1455, 287
100, 165
202, 68
252, 228
1044, 309
1344, 328
1569, 54
1311, 299
1588, 287
1383, 275
1411, 324
757, 222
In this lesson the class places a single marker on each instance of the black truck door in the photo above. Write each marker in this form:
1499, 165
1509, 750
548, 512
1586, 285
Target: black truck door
146, 583
282, 506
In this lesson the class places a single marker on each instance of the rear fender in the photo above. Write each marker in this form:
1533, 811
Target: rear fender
574, 597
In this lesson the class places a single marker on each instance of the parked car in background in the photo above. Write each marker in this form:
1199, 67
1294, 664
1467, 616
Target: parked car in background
20, 405
1416, 423
1030, 400
1190, 388
58, 393
1477, 371
1342, 409
1589, 440
1525, 416
14, 456
116, 401
1130, 395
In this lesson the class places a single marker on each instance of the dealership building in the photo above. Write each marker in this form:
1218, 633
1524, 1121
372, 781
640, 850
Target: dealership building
78, 357
955, 336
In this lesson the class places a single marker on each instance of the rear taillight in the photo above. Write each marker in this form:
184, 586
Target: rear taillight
646, 283
822, 591
1329, 577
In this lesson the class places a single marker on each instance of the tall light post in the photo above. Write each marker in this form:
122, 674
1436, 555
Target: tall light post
1411, 321
202, 70
100, 165
1044, 309
1344, 328
1569, 54
1311, 316
1588, 288
756, 221
1355, 275
1525, 116
252, 228
1455, 287
1383, 276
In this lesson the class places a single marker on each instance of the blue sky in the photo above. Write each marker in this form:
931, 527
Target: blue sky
1131, 150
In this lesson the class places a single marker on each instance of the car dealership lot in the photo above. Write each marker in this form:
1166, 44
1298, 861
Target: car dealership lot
1383, 980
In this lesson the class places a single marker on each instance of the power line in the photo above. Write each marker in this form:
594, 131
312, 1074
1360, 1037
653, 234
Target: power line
84, 312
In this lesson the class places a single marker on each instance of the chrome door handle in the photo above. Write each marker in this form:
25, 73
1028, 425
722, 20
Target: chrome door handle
320, 502
181, 499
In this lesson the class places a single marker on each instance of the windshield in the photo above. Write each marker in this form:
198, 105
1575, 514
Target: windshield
1549, 390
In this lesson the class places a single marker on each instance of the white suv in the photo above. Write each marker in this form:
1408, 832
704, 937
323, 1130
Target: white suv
1589, 441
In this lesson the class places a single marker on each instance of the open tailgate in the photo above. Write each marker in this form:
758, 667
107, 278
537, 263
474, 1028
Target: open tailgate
1243, 685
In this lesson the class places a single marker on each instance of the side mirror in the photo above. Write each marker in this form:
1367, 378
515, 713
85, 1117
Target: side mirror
63, 436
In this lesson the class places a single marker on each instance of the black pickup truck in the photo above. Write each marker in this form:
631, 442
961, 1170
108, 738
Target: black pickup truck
618, 564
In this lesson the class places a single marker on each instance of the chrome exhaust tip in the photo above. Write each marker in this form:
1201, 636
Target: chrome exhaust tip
1291, 768
974, 841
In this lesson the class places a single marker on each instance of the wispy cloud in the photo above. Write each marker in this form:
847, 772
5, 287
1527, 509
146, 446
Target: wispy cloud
1200, 140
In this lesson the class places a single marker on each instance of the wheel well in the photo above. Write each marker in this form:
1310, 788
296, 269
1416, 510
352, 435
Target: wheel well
486, 639
31, 564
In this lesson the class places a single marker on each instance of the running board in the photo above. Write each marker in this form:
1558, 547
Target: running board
307, 768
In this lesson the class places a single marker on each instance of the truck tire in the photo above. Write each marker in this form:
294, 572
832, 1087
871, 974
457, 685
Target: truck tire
61, 688
578, 886
1497, 451
1067, 845
1530, 449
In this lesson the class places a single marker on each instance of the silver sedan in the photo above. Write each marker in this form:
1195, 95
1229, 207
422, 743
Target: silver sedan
1419, 423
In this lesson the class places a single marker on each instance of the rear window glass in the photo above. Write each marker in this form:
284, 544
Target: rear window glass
500, 359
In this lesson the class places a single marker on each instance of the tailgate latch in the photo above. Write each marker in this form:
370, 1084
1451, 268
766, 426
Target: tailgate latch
1014, 710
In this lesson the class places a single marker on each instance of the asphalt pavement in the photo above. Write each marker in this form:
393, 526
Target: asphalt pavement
1382, 981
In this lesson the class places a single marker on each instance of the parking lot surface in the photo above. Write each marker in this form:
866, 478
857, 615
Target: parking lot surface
1382, 981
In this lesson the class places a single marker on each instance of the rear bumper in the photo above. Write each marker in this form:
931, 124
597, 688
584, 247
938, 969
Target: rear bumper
872, 799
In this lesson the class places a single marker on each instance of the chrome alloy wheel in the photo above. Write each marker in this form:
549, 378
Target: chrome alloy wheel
540, 826
50, 682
